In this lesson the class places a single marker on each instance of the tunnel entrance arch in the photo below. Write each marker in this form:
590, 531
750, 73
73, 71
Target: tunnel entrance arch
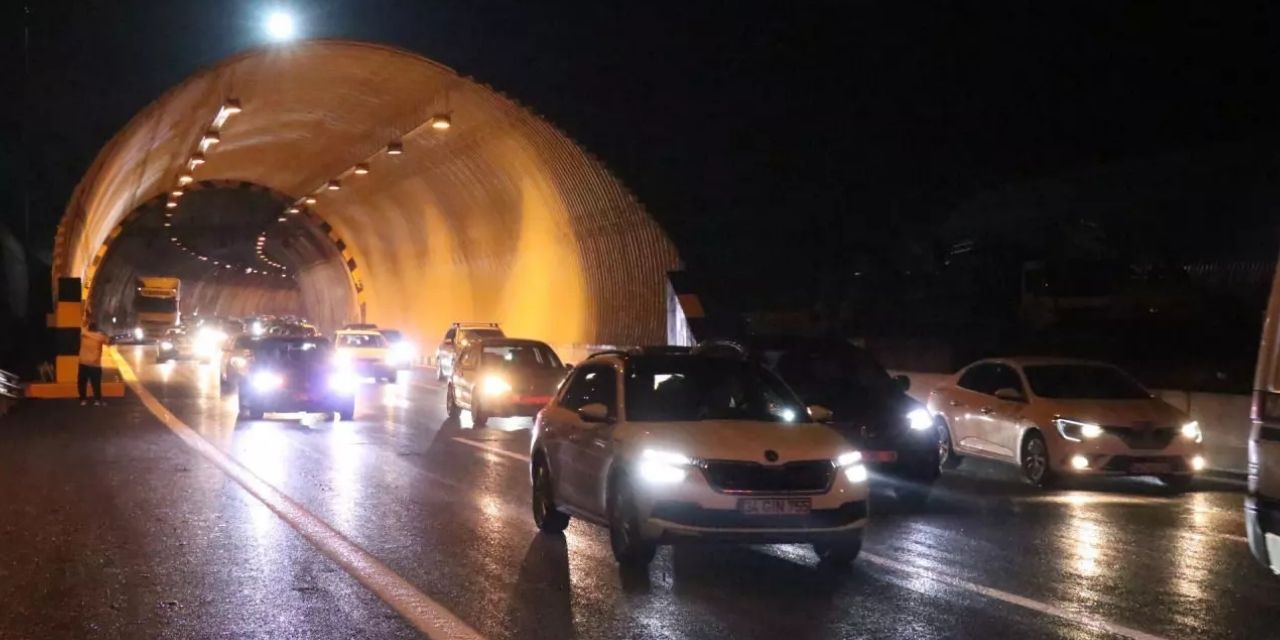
499, 216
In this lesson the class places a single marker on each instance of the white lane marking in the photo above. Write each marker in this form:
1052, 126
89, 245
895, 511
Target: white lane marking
501, 452
425, 614
1082, 619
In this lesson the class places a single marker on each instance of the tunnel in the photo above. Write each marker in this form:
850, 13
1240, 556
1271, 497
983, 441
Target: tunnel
345, 181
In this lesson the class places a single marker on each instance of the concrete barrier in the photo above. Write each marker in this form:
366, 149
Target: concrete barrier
1224, 417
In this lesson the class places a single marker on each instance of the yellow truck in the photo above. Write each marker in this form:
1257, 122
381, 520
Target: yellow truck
155, 304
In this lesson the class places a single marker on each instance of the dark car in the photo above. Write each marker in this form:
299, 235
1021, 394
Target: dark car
503, 377
175, 344
293, 375
895, 433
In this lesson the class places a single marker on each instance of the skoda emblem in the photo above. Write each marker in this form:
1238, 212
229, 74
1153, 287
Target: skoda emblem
771, 455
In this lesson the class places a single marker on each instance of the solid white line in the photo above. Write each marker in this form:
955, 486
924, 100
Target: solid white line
425, 614
1082, 619
501, 452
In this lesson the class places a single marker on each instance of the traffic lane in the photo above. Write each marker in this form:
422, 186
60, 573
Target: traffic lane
455, 522
112, 528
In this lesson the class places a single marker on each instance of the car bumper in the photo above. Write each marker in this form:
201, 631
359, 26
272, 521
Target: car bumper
513, 408
375, 368
286, 402
1114, 458
1262, 522
692, 510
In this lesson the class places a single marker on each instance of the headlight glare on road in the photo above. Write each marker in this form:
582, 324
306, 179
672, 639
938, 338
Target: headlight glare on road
856, 473
919, 419
495, 386
1192, 430
663, 467
265, 381
1077, 431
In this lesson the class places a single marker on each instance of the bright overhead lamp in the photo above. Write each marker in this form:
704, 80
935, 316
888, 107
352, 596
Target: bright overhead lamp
171, 205
333, 185
177, 193
281, 219
210, 138
309, 199
281, 26
292, 210
186, 179
231, 106
395, 148
168, 224
361, 169
197, 159
441, 121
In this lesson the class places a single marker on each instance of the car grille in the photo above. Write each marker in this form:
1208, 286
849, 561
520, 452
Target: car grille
809, 476
1177, 464
1143, 438
690, 514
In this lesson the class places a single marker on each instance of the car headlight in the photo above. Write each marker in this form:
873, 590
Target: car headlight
166, 345
851, 463
267, 381
494, 386
402, 352
137, 333
663, 467
343, 381
1192, 430
919, 419
258, 329
343, 358
1077, 431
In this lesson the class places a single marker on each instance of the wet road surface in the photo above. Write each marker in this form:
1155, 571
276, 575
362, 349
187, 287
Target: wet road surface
114, 527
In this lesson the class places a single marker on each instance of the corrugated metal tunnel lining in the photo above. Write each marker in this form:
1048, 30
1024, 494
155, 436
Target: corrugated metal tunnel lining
501, 217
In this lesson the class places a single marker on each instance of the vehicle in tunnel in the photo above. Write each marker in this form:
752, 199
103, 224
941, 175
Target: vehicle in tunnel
456, 338
175, 344
665, 447
296, 375
1262, 500
1058, 417
156, 304
292, 330
366, 352
403, 353
503, 377
895, 433
237, 356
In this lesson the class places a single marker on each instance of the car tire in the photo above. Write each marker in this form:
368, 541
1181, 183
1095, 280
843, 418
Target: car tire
248, 413
947, 456
451, 403
630, 548
1034, 461
840, 552
1177, 484
478, 417
545, 514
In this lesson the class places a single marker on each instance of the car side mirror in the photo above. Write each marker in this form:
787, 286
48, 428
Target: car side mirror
904, 382
1010, 395
594, 412
819, 413
568, 366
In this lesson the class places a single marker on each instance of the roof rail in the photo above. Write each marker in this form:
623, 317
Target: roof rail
721, 348
609, 352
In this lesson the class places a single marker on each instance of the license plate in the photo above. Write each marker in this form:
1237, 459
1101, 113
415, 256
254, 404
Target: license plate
775, 506
1150, 467
880, 456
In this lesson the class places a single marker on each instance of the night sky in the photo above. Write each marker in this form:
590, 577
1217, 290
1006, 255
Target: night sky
757, 132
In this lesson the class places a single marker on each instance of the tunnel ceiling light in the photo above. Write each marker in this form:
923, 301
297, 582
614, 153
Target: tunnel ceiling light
292, 210
281, 219
229, 108
361, 169
197, 159
395, 148
177, 193
309, 199
209, 139
168, 224
186, 179
441, 121
333, 185
171, 205
280, 26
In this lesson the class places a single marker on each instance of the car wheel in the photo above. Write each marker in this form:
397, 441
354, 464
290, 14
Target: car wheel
630, 548
249, 413
451, 403
478, 417
947, 456
545, 514
840, 552
1035, 461
1177, 484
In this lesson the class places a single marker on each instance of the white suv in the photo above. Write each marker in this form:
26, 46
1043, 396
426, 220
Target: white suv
663, 446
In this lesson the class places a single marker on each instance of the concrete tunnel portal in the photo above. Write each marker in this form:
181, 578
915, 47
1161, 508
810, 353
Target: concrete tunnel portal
345, 181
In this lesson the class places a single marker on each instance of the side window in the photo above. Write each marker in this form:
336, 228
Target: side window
592, 384
980, 378
1005, 377
450, 334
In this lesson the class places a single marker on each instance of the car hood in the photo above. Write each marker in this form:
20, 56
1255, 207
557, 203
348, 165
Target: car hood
740, 440
883, 411
1142, 412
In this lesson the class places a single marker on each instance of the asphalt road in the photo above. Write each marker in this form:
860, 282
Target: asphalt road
113, 526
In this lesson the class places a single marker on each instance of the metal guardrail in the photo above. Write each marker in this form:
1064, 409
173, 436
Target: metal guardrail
10, 391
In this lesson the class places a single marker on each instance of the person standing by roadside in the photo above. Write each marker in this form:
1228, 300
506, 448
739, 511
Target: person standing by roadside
91, 343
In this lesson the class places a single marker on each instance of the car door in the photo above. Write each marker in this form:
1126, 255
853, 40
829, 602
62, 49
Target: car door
584, 448
464, 377
968, 408
1006, 415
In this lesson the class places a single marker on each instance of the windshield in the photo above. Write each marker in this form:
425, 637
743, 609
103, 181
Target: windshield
691, 388
362, 341
144, 304
519, 355
1083, 382
290, 351
392, 335
831, 378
